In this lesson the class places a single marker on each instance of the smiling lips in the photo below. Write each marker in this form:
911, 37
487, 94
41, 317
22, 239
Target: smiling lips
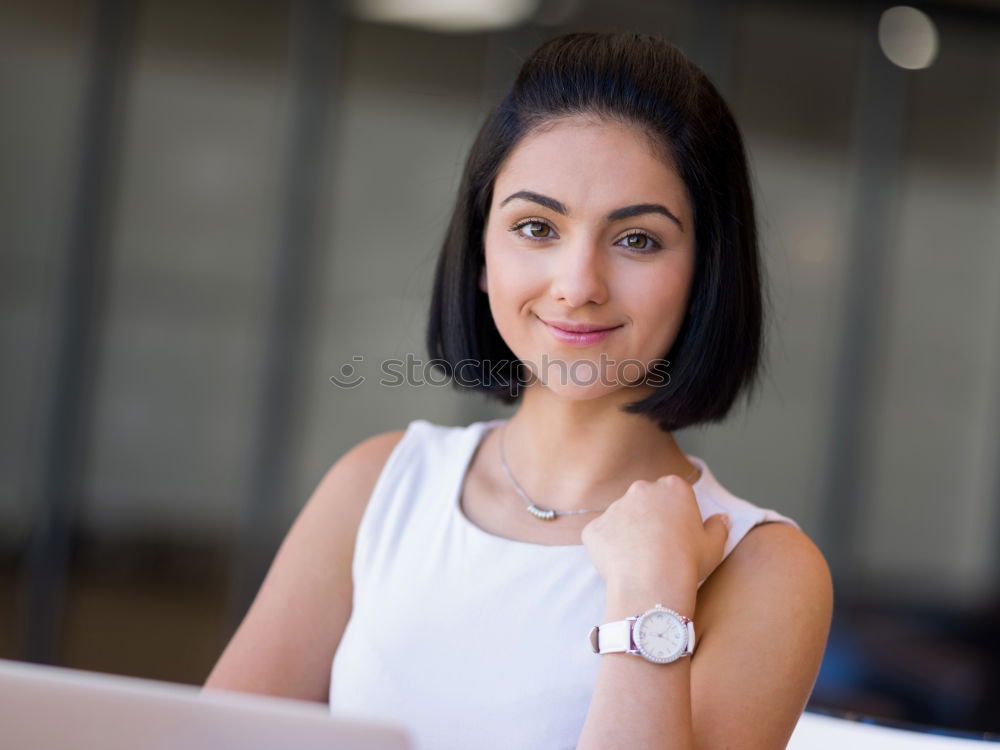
578, 334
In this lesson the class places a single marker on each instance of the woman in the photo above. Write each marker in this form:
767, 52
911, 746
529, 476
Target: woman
601, 272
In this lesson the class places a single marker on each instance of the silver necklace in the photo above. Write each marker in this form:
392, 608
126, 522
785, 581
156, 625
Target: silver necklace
548, 514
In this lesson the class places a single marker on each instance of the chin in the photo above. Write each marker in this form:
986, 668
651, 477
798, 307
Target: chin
588, 387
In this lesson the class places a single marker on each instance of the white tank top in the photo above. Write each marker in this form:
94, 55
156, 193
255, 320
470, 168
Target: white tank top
468, 639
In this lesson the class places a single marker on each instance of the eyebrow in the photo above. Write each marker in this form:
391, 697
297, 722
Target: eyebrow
626, 212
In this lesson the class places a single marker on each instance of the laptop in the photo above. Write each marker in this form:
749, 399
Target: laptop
52, 708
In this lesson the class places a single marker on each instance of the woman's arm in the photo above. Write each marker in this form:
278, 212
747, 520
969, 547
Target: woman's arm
286, 643
637, 704
762, 620
766, 613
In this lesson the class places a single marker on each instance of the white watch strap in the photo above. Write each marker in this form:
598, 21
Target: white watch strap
614, 637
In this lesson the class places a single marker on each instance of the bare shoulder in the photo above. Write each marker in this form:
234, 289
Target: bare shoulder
331, 516
774, 565
357, 471
778, 553
366, 459
287, 640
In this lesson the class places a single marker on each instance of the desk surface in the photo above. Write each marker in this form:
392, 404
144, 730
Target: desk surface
817, 731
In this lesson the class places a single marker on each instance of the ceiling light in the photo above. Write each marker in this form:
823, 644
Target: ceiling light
908, 37
448, 15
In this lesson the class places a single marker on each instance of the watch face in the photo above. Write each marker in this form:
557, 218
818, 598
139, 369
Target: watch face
660, 635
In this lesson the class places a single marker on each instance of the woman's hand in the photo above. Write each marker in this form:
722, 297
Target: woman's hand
654, 532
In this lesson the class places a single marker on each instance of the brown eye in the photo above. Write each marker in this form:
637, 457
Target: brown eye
640, 242
534, 230
538, 229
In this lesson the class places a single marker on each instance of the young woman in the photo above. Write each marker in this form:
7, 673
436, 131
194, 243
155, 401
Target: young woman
601, 272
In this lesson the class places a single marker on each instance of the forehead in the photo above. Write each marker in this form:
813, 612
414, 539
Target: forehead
586, 161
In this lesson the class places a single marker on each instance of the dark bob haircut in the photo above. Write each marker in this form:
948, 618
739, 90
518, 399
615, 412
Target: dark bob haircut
647, 82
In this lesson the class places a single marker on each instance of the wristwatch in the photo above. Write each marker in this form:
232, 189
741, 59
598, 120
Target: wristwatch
659, 635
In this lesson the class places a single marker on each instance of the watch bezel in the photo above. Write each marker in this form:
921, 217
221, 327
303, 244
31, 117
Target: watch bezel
640, 649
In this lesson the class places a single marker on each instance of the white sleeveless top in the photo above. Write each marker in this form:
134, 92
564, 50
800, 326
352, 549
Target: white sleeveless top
468, 639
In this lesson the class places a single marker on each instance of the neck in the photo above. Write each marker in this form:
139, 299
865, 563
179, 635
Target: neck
572, 455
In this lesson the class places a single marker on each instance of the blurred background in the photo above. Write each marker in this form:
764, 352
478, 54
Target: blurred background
207, 209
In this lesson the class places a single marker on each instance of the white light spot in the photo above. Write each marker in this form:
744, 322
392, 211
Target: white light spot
908, 37
448, 15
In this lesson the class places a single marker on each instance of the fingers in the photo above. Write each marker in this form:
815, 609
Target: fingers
674, 482
718, 527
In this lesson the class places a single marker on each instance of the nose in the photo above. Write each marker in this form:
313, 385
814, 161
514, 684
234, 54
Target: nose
579, 274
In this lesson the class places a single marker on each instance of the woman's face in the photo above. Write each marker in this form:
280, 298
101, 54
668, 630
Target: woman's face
588, 225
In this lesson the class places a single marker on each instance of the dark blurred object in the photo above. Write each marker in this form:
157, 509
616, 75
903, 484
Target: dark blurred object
917, 665
144, 604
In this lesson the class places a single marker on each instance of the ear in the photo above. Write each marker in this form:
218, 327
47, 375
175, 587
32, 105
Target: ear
482, 279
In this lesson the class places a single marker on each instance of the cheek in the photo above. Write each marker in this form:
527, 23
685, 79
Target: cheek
509, 292
668, 297
493, 258
656, 293
510, 272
